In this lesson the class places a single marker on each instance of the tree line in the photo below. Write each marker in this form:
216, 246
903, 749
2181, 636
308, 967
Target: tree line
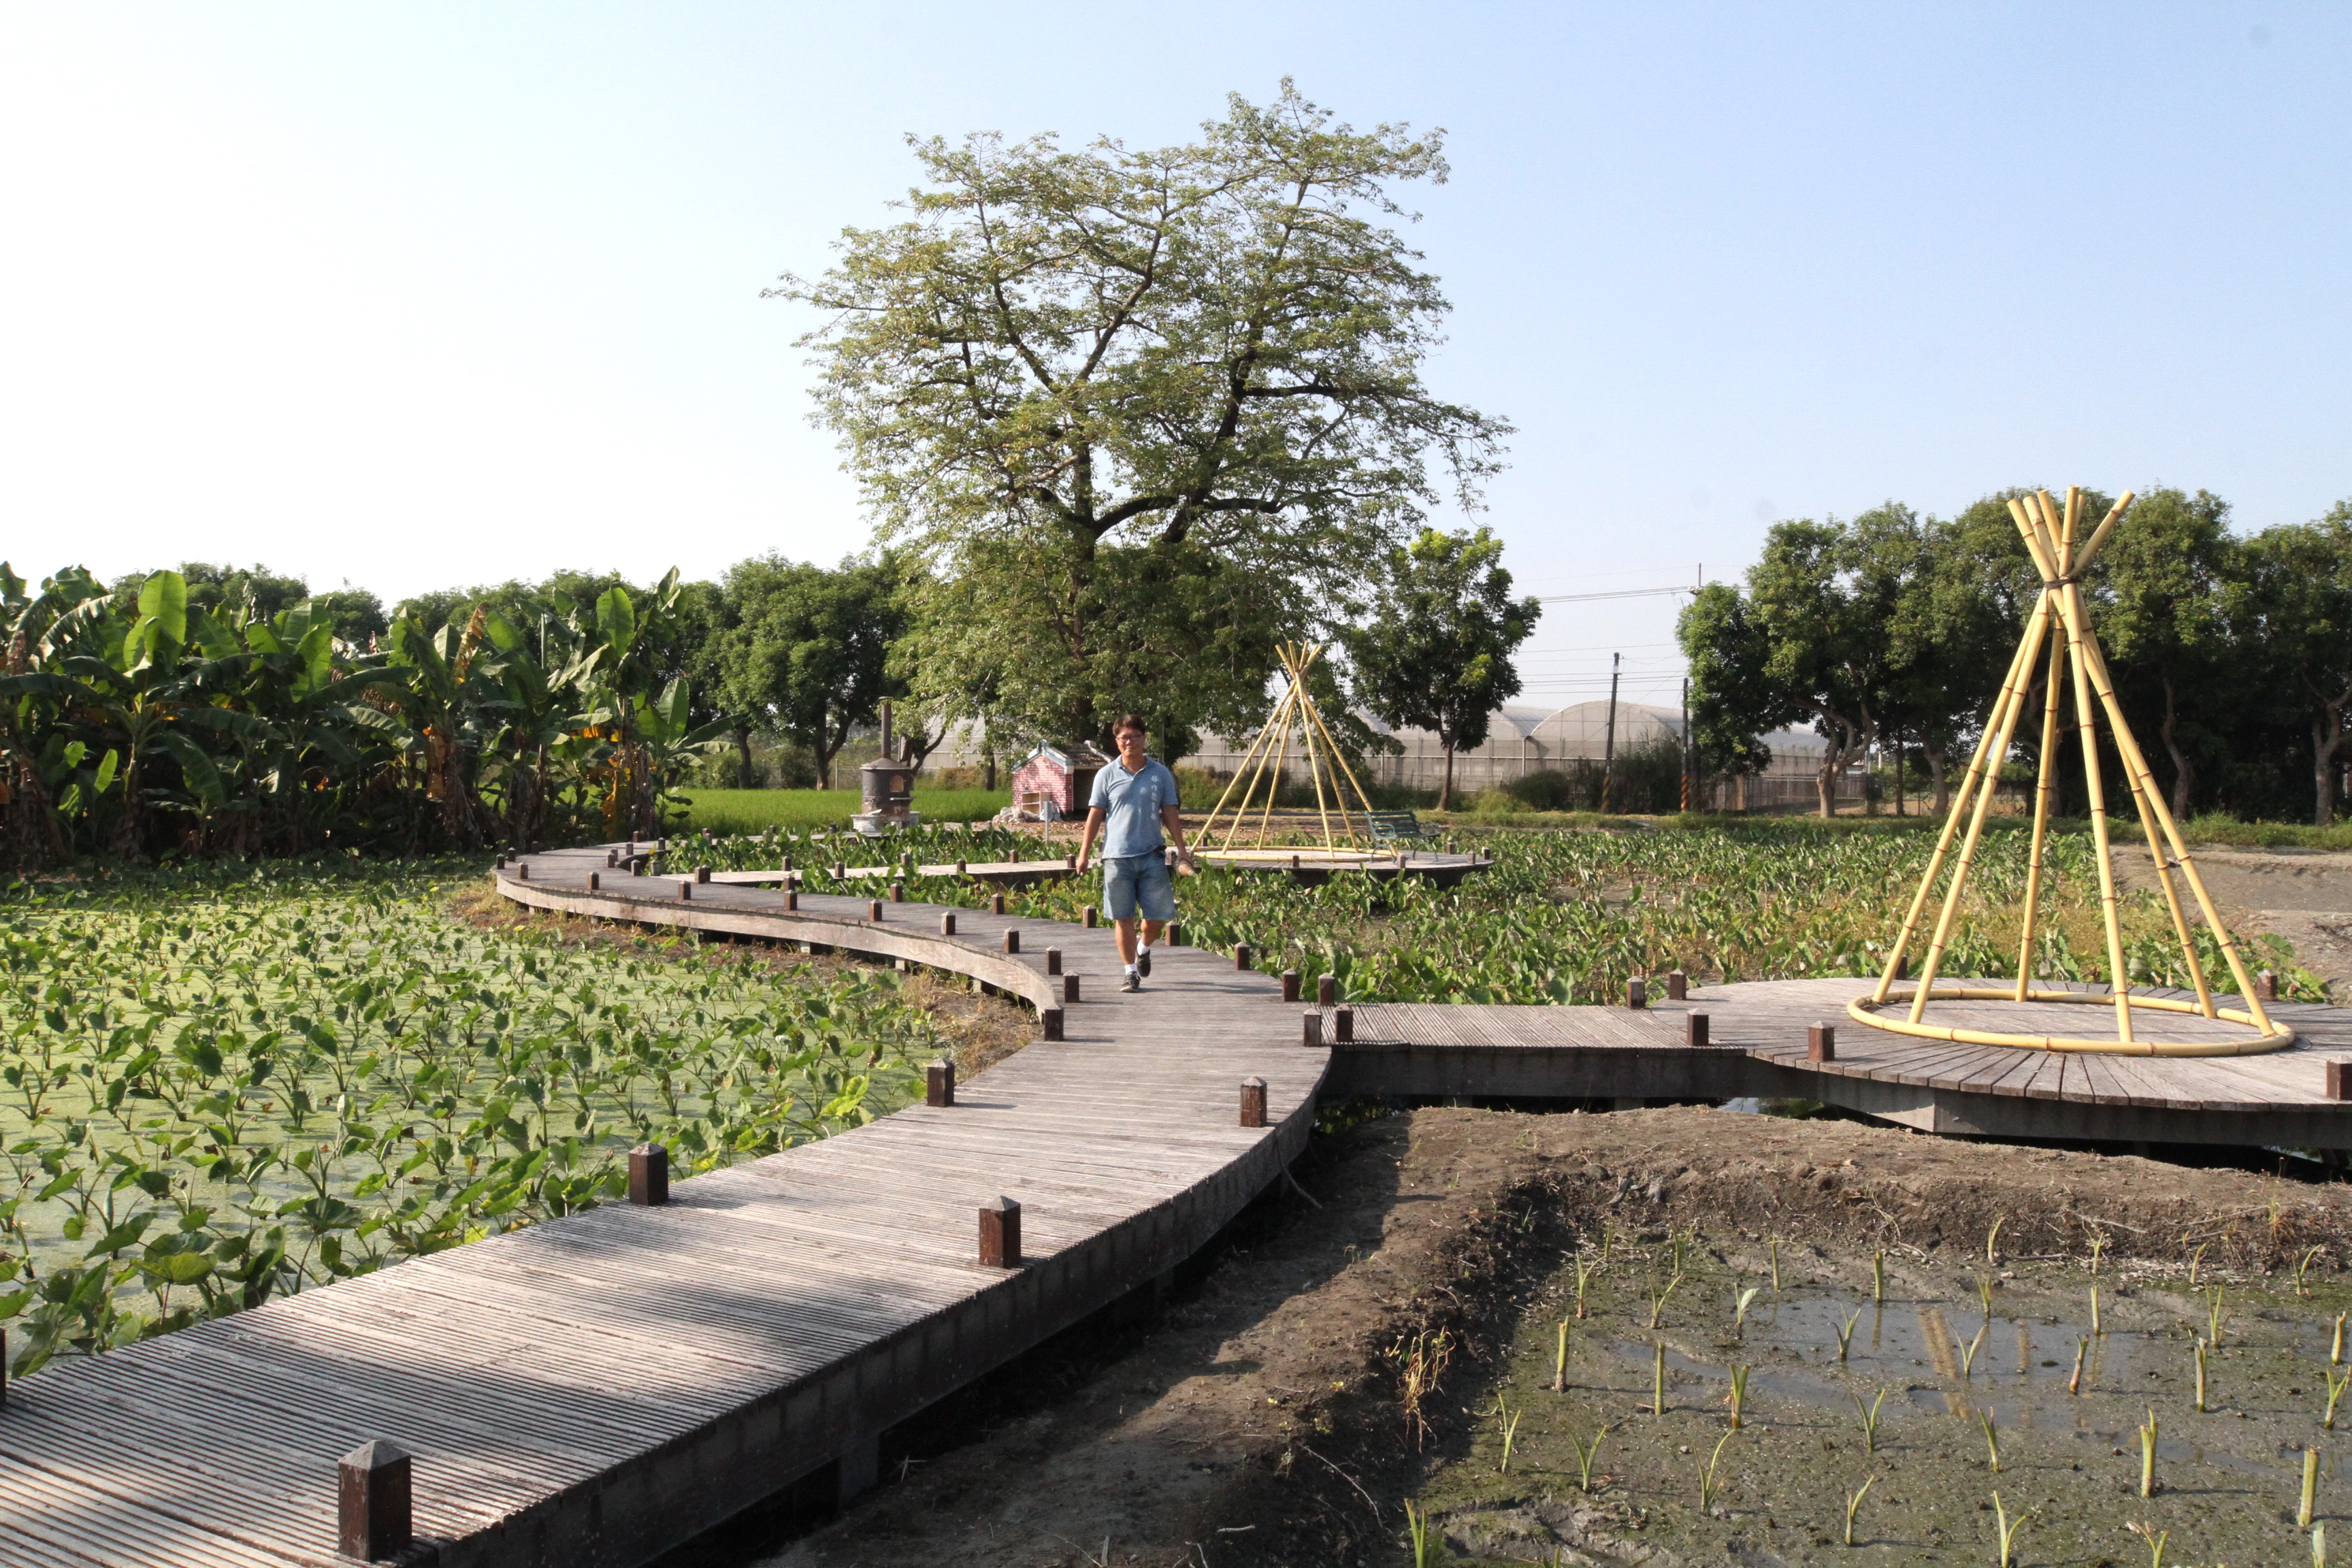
1892, 631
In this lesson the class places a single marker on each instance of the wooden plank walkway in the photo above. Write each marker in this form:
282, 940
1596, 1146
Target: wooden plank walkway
592, 1390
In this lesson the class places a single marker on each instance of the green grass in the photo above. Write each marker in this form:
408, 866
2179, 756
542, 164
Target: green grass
799, 810
2213, 828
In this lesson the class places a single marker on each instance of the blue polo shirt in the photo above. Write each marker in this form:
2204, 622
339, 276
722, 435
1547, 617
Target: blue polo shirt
1132, 801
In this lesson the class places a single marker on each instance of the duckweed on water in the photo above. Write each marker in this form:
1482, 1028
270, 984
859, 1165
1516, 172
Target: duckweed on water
220, 1083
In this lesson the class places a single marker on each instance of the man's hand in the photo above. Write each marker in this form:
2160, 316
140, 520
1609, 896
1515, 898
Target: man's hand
1184, 861
1085, 855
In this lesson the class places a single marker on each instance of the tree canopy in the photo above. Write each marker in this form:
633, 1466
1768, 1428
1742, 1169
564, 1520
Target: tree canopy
1143, 414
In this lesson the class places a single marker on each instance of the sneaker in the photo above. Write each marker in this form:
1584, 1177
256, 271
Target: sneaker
1131, 981
1143, 962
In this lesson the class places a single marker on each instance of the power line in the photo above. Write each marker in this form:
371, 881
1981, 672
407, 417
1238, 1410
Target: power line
1618, 594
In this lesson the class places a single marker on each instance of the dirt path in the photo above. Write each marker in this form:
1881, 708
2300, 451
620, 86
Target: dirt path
2306, 898
1257, 1419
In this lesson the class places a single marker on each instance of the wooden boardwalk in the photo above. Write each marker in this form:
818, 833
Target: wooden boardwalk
592, 1390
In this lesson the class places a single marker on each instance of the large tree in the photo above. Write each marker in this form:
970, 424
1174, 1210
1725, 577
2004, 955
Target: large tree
805, 649
1435, 650
2294, 614
1143, 414
2161, 595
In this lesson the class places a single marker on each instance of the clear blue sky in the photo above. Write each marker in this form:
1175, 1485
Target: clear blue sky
418, 294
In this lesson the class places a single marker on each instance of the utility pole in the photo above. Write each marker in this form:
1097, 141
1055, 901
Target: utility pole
1686, 751
1608, 743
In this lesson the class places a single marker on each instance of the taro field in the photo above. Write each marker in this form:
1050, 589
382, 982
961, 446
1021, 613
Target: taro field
1567, 916
218, 1085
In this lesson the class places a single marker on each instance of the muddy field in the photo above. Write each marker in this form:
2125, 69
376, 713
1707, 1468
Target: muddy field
1260, 1416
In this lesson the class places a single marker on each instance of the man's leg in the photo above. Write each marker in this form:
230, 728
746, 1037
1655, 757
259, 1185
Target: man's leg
1124, 933
1151, 930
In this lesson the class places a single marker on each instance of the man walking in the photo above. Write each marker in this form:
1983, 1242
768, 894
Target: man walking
1137, 796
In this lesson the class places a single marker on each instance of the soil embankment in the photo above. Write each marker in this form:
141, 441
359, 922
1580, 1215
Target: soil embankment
1257, 1419
2305, 896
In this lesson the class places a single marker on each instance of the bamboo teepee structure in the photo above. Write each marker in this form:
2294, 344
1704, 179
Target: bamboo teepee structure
2060, 620
1269, 753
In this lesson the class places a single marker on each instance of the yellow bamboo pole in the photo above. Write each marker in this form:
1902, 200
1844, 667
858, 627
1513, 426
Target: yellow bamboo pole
2128, 745
1274, 727
2078, 631
2114, 515
2044, 789
2005, 714
1949, 830
1281, 759
1314, 763
2140, 789
1340, 757
1240, 772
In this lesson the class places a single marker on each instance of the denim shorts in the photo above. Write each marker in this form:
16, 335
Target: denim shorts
1131, 879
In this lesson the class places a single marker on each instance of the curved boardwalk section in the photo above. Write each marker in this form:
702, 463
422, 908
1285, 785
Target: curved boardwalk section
594, 1390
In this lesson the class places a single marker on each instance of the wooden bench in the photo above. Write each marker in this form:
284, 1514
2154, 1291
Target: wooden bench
1397, 827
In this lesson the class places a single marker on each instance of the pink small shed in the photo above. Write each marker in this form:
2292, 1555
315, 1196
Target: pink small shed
1054, 782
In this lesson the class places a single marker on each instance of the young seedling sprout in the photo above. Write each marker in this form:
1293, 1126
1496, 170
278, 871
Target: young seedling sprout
2009, 1526
1992, 1438
2195, 1259
2335, 1347
1878, 1275
1969, 1352
1510, 1420
1992, 1259
1417, 1524
1772, 1251
2301, 1267
1739, 1305
2075, 1383
2095, 1312
1738, 1395
1854, 1505
1560, 1362
1658, 1382
1984, 1294
2155, 1538
1585, 1454
2147, 1457
2213, 1319
1869, 1419
2201, 1377
1586, 1268
2310, 1489
2318, 1546
1845, 1335
1707, 1476
2098, 1246
1658, 1304
2336, 1387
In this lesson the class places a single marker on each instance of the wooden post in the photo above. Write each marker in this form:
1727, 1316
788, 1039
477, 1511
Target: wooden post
2339, 1086
2266, 984
373, 1516
702, 874
594, 882
1000, 1233
840, 870
1677, 986
1092, 918
996, 903
1013, 939
792, 899
612, 859
649, 1175
1326, 990
1821, 1043
1049, 1019
502, 862
939, 1083
947, 923
1291, 983
1252, 1102
1695, 1028
522, 871
1069, 989
1241, 956
959, 870
685, 891
1069, 862
1310, 1030
1053, 961
1294, 862
898, 892
1175, 934
1637, 992
1343, 1026
873, 908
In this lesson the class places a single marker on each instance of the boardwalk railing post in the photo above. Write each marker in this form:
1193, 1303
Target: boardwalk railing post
996, 906
1000, 1233
840, 870
1693, 1029
947, 923
873, 908
792, 899
1637, 992
612, 859
649, 1175
1252, 1102
685, 891
1093, 918
1069, 989
1326, 990
1677, 986
373, 1515
522, 871
1241, 956
594, 882
1053, 961
1310, 1030
960, 869
4, 1369
939, 1083
502, 862
702, 874
1343, 1026
1175, 934
1013, 939
1050, 1020
2266, 984
898, 892
1290, 985
1820, 1042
